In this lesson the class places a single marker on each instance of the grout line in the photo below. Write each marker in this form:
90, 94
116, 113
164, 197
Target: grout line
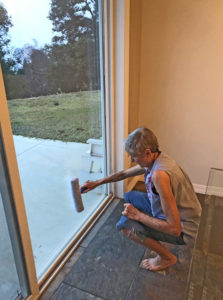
134, 277
210, 211
86, 292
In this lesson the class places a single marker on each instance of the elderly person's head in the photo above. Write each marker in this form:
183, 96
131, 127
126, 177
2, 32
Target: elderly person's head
139, 140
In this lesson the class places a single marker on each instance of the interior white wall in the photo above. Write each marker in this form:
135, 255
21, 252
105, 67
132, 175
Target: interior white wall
181, 81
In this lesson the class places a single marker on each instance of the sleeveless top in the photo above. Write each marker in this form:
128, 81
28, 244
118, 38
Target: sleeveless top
188, 205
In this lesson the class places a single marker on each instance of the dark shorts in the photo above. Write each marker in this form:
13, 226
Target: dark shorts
141, 201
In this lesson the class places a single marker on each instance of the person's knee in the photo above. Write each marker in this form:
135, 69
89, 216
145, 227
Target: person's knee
128, 196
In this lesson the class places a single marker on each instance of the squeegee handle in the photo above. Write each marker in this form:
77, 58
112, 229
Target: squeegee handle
83, 189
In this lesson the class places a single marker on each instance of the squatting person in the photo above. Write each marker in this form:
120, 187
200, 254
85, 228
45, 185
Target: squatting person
169, 211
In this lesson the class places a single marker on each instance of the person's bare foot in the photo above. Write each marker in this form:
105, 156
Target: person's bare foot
158, 263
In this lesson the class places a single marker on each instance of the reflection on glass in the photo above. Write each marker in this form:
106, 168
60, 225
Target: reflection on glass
51, 69
9, 283
215, 182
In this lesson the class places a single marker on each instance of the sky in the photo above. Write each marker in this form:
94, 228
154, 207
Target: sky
29, 19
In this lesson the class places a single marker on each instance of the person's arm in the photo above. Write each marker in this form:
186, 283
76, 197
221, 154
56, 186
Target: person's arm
134, 171
172, 224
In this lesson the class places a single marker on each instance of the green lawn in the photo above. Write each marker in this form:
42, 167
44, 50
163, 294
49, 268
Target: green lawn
73, 117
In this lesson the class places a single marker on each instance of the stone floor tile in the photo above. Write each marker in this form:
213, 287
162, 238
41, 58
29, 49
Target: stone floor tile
148, 285
195, 292
66, 292
100, 223
209, 294
108, 265
198, 268
61, 275
219, 201
216, 236
208, 221
214, 275
202, 226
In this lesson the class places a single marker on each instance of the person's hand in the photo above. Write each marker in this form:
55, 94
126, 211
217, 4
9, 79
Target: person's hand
130, 211
89, 185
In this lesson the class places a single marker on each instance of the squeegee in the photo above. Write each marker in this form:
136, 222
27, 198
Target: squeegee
76, 192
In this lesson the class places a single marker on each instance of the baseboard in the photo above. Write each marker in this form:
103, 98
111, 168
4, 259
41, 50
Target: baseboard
199, 188
212, 190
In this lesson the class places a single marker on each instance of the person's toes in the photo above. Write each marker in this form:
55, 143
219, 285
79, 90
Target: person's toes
143, 263
146, 264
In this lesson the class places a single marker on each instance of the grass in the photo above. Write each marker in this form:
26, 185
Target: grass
73, 117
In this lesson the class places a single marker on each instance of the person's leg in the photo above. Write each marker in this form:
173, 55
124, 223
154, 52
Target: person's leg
164, 258
140, 201
140, 234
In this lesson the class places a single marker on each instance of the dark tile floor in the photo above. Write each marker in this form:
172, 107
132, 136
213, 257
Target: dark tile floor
107, 264
206, 276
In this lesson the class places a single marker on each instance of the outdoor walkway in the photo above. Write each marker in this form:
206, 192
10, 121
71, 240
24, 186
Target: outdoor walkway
107, 265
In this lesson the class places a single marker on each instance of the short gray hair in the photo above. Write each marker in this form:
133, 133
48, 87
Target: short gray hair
139, 140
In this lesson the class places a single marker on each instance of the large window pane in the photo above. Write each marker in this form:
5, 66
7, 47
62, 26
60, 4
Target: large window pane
51, 66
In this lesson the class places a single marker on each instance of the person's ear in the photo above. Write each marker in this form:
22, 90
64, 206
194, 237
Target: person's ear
148, 152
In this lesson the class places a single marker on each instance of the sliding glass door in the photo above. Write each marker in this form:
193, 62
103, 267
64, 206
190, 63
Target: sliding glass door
52, 65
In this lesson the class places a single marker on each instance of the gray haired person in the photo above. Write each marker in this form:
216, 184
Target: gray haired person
169, 211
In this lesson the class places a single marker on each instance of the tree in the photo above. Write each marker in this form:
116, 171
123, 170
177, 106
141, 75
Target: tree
7, 63
75, 24
5, 24
13, 63
64, 72
74, 19
35, 69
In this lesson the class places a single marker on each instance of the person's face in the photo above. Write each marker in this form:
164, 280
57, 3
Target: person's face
145, 160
